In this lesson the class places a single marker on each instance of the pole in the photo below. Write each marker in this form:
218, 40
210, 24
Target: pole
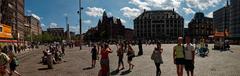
80, 23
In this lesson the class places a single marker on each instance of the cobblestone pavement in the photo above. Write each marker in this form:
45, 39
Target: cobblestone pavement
218, 63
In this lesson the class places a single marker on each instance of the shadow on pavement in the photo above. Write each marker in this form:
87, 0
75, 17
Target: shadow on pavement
126, 72
44, 68
115, 72
88, 68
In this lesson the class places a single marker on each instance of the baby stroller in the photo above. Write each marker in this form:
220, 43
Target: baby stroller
203, 51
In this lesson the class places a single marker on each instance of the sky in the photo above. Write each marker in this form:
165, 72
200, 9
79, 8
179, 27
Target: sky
53, 13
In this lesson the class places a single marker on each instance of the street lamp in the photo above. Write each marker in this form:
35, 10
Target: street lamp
80, 23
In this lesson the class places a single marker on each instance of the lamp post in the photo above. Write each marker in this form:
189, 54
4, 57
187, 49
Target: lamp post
80, 23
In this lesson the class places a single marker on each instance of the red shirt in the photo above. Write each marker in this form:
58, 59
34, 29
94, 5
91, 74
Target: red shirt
104, 54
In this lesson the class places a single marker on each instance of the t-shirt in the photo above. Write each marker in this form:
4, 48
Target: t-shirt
3, 59
94, 51
188, 52
179, 51
156, 56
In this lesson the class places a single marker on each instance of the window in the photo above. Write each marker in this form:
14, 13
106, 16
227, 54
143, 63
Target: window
0, 29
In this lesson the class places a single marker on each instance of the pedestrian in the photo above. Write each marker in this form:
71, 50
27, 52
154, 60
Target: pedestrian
94, 52
178, 56
189, 57
4, 60
63, 49
131, 55
140, 52
13, 64
120, 53
105, 69
157, 57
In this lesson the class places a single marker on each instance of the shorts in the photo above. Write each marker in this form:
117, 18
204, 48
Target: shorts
130, 58
189, 65
179, 61
94, 57
12, 66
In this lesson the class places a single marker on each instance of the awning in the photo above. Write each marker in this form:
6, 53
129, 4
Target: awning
9, 41
219, 34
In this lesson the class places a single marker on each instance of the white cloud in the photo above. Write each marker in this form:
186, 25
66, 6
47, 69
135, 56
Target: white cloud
109, 14
130, 12
164, 4
188, 10
186, 24
36, 16
43, 25
65, 14
123, 21
210, 15
74, 28
94, 11
53, 25
141, 5
202, 4
87, 21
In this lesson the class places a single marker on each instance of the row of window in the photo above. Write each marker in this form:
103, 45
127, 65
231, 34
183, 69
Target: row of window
157, 21
158, 26
156, 35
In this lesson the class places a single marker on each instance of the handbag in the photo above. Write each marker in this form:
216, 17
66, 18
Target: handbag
16, 61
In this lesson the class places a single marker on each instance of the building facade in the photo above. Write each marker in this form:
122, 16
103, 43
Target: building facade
56, 32
110, 28
201, 26
34, 25
235, 19
221, 19
12, 14
158, 25
129, 34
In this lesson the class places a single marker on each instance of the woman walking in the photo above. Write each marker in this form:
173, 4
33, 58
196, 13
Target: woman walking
178, 56
105, 61
131, 55
157, 57
13, 64
120, 53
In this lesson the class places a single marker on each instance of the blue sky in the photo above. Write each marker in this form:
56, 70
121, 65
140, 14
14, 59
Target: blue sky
52, 13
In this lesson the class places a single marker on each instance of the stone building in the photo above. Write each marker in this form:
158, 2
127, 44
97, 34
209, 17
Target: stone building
200, 26
158, 25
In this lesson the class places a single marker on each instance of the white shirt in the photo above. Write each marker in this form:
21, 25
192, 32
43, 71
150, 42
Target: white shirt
188, 52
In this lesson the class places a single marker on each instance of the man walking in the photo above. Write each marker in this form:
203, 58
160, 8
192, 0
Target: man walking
189, 56
140, 52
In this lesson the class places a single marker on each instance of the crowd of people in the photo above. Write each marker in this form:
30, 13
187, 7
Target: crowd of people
53, 54
183, 56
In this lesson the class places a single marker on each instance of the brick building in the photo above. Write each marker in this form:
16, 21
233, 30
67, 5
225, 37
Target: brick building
200, 26
12, 14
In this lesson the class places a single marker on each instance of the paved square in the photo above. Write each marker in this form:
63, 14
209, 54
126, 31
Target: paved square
218, 63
